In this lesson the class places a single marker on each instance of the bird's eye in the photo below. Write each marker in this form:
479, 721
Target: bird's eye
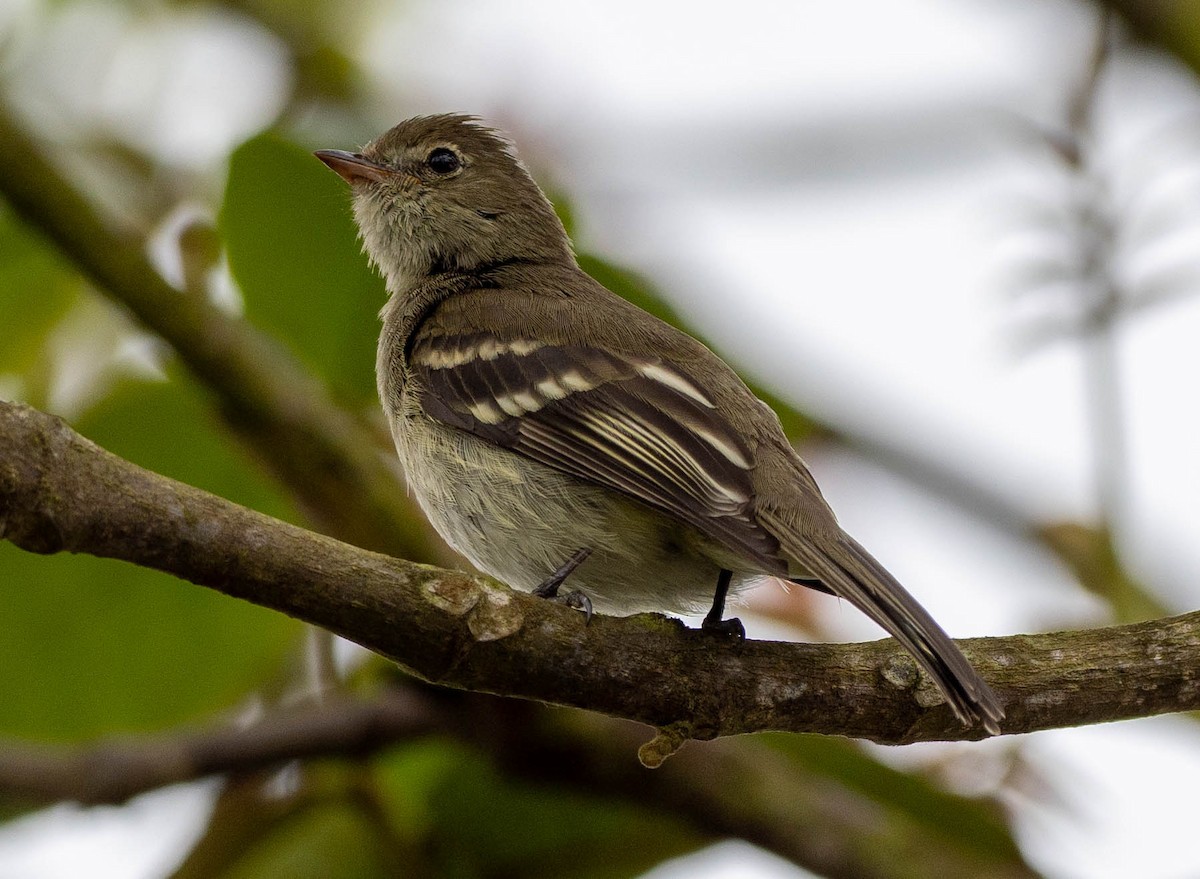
443, 160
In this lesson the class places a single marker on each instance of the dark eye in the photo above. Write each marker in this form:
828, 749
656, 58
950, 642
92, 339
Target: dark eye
443, 161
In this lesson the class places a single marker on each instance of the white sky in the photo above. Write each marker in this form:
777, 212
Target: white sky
867, 282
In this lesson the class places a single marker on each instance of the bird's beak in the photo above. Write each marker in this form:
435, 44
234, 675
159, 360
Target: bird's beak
354, 168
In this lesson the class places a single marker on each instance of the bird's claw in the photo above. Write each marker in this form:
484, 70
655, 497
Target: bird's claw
579, 601
731, 628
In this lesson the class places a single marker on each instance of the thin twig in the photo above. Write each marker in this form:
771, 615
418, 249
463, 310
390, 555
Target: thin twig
114, 771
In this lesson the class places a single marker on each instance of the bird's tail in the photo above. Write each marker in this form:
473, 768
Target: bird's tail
849, 571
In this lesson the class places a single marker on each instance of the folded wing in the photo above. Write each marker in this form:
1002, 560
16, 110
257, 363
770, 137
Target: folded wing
639, 426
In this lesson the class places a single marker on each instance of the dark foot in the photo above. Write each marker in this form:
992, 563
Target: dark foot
548, 588
730, 628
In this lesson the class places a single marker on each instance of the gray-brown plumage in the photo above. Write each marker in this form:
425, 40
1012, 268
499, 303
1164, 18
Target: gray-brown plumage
538, 414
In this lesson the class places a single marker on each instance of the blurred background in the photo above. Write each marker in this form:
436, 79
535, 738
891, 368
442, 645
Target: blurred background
953, 241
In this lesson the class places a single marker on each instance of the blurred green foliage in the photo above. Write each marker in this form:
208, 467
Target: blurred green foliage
94, 646
37, 288
294, 253
977, 828
438, 808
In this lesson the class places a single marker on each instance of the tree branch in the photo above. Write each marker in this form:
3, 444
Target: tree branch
115, 771
59, 492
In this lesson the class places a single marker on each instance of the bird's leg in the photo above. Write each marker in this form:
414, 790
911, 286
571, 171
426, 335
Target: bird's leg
713, 622
548, 588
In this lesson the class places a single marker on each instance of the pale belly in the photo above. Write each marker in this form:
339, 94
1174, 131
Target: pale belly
519, 524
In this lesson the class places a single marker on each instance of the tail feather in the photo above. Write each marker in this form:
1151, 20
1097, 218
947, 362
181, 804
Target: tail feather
849, 571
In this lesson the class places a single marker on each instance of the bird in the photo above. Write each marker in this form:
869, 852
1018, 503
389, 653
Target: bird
553, 432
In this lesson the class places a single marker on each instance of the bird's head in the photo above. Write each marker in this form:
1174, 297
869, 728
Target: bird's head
446, 193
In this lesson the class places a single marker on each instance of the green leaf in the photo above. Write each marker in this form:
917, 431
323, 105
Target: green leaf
92, 646
294, 251
36, 290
